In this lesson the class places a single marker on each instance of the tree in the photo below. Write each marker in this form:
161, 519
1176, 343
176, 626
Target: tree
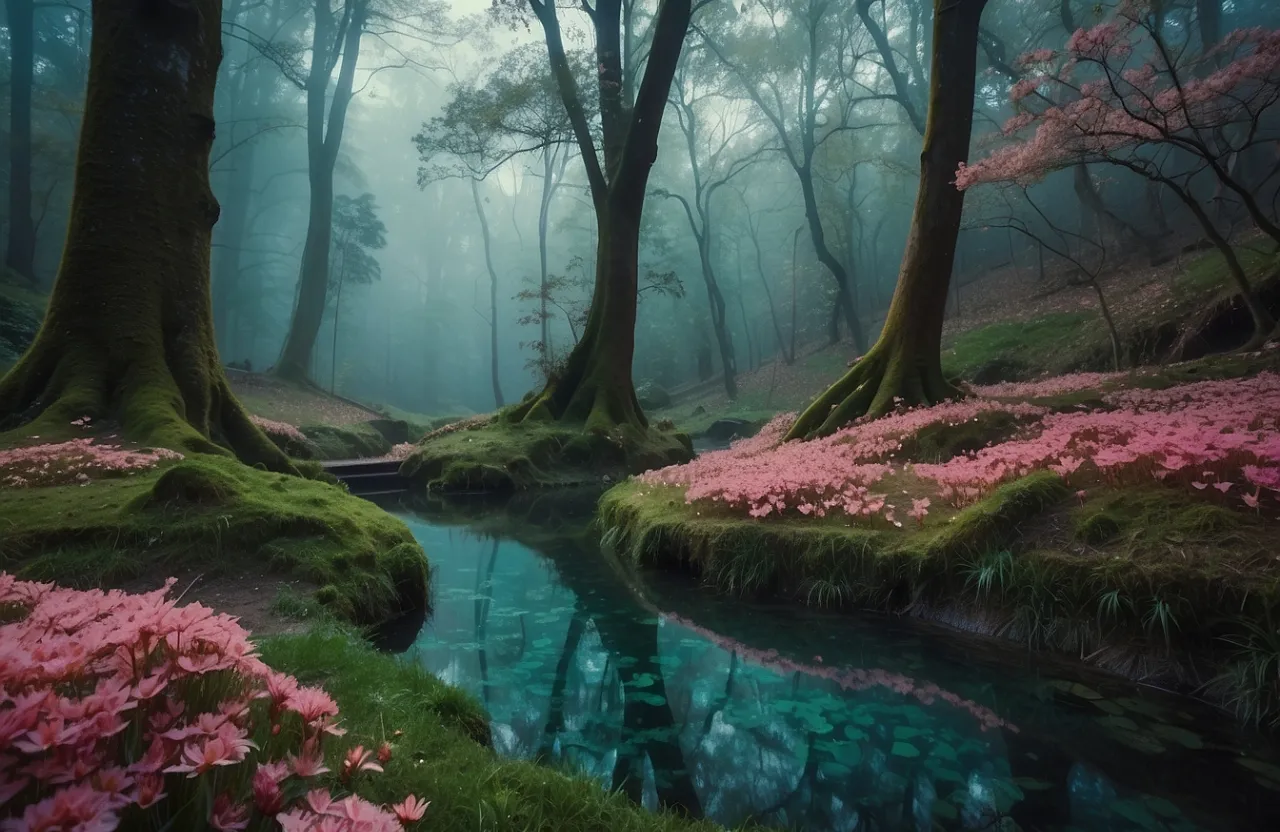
1142, 100
803, 61
493, 294
904, 366
20, 254
712, 165
334, 35
595, 387
128, 334
517, 110
357, 232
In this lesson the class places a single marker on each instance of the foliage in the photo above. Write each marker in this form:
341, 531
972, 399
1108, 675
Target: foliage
126, 709
357, 232
1142, 91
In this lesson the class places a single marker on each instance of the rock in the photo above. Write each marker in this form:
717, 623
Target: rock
725, 429
698, 411
653, 396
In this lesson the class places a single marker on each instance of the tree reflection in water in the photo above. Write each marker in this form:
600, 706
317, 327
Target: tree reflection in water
720, 709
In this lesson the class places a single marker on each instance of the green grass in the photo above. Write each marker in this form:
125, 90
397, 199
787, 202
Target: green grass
1024, 347
1207, 274
441, 755
221, 517
504, 456
354, 441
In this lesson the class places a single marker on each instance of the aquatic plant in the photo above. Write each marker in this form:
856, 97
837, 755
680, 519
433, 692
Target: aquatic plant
128, 709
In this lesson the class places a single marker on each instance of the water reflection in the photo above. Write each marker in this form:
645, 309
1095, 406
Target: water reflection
771, 713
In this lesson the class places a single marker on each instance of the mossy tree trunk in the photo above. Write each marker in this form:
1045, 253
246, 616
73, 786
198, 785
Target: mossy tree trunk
20, 255
128, 334
324, 138
905, 364
595, 387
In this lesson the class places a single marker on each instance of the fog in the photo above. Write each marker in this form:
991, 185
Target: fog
453, 107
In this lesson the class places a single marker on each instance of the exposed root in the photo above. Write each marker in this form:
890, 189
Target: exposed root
879, 383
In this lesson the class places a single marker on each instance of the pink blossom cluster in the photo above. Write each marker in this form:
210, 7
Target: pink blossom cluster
1124, 106
853, 679
401, 451
1220, 433
281, 430
1046, 388
116, 703
1219, 438
764, 476
74, 461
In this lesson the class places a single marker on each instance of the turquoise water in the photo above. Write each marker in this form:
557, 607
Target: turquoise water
793, 718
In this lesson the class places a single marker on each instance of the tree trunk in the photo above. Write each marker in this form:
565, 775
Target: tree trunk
596, 387
493, 295
773, 310
128, 335
20, 256
322, 155
905, 364
544, 209
844, 297
337, 310
719, 322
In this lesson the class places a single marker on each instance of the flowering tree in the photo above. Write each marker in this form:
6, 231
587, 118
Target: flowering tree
129, 711
905, 363
129, 329
1122, 94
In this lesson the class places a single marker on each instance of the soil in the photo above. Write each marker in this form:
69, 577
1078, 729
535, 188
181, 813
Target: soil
248, 598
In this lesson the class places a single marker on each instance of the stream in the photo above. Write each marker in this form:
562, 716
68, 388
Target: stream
790, 717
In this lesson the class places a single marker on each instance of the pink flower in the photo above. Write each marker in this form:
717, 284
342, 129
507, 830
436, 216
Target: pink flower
384, 753
410, 810
308, 764
149, 790
267, 796
227, 816
356, 761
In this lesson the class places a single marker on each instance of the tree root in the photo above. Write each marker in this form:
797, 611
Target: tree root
880, 382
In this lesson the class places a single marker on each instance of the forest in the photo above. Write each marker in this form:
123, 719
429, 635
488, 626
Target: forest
640, 415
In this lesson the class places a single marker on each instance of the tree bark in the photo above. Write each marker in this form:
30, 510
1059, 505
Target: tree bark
493, 295
787, 357
20, 255
128, 335
905, 364
844, 295
323, 143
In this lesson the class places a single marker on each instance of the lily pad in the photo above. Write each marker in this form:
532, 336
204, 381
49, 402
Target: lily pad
1122, 723
1162, 807
1183, 737
1031, 784
1268, 770
1076, 689
905, 749
1107, 706
945, 810
648, 699
1134, 811
905, 732
855, 734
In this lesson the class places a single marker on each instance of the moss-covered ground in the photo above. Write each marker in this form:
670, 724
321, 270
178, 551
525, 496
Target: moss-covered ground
218, 517
498, 455
1142, 581
439, 738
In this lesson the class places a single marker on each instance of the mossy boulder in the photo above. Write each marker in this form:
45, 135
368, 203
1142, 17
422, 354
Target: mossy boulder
355, 441
652, 396
221, 517
503, 456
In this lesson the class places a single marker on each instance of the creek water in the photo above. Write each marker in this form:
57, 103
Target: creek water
789, 717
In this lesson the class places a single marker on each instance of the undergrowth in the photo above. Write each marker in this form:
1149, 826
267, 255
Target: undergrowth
438, 737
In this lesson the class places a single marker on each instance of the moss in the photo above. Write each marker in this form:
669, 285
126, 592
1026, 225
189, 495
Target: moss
941, 441
503, 456
440, 747
356, 441
222, 517
1022, 348
1145, 571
